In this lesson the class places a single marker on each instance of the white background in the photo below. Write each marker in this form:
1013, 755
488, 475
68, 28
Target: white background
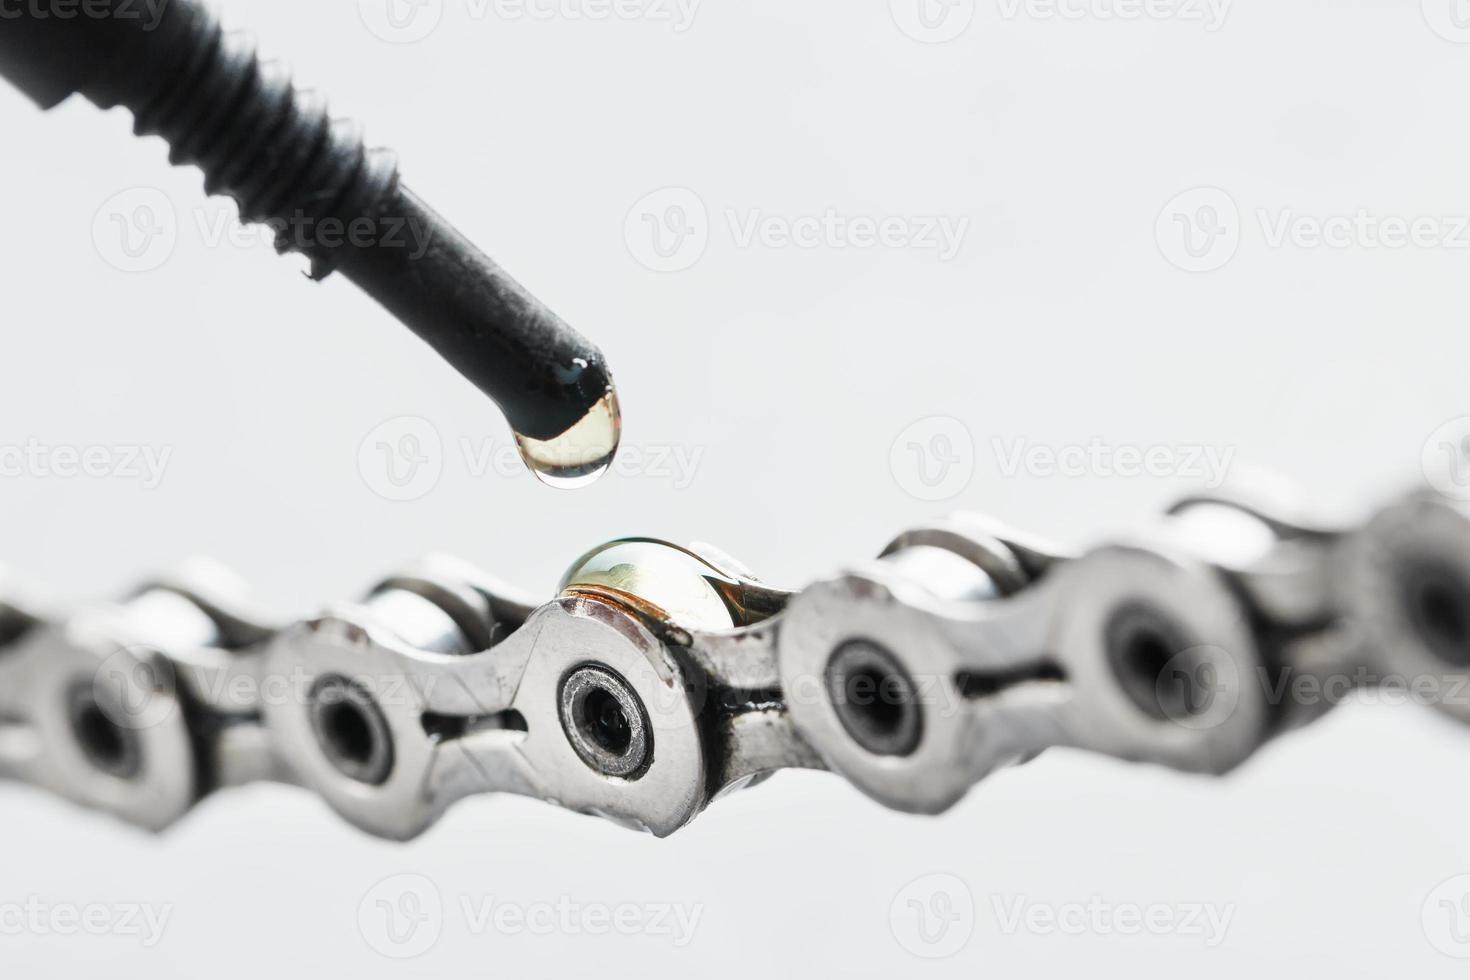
790, 371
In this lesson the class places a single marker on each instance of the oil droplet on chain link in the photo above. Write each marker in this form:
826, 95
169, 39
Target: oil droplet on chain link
580, 455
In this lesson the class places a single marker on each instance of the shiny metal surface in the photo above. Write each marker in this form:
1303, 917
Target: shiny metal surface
663, 678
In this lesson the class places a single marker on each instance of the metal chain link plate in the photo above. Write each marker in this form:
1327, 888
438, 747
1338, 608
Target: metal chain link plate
661, 678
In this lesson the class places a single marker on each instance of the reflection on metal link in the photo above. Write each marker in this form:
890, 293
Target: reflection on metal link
661, 678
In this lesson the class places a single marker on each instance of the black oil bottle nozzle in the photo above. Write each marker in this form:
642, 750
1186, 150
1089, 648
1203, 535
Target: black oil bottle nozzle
289, 165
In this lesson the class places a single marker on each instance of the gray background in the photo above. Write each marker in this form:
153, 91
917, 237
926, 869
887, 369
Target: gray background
788, 373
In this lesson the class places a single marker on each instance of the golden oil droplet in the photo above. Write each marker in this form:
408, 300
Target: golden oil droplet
664, 580
683, 586
580, 455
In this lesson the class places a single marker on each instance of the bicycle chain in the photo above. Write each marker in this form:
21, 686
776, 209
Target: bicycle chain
662, 678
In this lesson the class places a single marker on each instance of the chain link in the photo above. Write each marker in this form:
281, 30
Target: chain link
662, 678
